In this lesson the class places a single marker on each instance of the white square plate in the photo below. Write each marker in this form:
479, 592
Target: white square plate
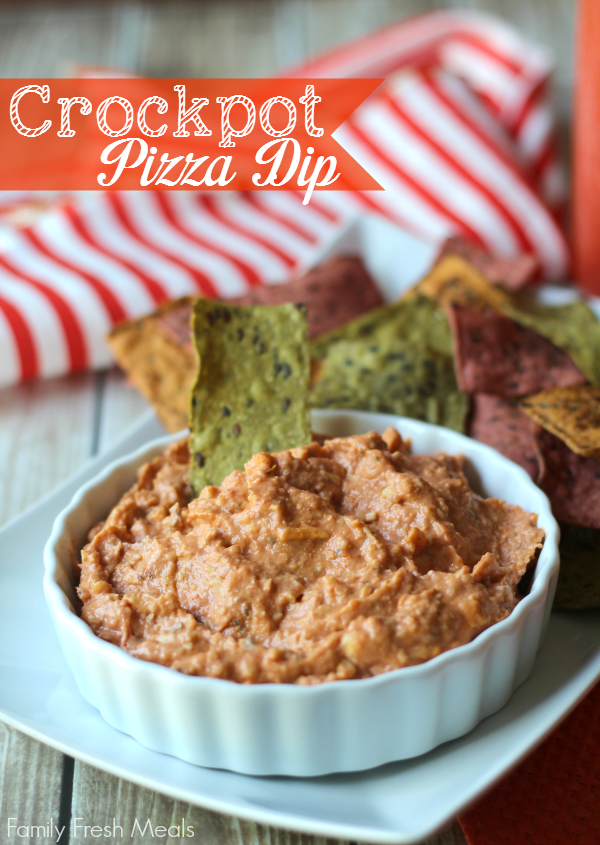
398, 803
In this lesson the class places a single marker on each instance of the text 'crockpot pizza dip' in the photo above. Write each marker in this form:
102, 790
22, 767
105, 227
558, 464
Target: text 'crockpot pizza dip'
322, 562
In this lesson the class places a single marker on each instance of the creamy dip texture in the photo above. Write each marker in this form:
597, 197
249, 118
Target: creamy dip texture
325, 562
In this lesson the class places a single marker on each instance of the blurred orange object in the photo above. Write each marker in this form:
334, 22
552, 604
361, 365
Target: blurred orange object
586, 160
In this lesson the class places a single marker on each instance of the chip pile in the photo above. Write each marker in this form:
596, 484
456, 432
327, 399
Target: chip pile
457, 350
533, 374
157, 353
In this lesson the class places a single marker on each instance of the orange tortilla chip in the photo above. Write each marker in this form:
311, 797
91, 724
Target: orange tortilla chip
571, 414
455, 281
162, 369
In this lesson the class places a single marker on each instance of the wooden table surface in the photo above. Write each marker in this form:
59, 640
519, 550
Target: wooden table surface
48, 429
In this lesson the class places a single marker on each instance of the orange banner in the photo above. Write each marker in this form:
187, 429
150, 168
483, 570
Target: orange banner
169, 134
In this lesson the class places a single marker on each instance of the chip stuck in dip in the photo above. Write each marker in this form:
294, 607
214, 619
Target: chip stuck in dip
322, 562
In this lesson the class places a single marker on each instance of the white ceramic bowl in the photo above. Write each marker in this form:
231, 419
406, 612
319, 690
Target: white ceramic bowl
283, 729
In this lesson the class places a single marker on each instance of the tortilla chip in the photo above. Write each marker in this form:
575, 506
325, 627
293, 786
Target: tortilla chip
414, 320
396, 360
578, 585
493, 354
361, 328
454, 281
503, 426
574, 328
571, 482
571, 413
334, 293
162, 370
251, 392
510, 273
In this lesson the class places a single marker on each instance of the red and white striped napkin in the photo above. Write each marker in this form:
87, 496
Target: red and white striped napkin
460, 136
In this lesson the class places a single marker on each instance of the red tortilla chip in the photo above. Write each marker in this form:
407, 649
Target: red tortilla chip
493, 354
571, 482
503, 425
511, 273
334, 293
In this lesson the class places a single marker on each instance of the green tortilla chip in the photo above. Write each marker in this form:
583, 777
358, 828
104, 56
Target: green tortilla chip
574, 328
415, 319
251, 392
579, 578
395, 360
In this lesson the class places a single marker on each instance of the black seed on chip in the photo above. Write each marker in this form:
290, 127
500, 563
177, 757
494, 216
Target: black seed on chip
286, 404
194, 401
237, 429
286, 370
200, 459
226, 412
217, 313
260, 348
240, 334
226, 316
249, 402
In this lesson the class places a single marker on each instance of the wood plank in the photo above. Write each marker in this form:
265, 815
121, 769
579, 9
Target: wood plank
45, 434
452, 836
100, 798
47, 40
331, 23
30, 786
216, 38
